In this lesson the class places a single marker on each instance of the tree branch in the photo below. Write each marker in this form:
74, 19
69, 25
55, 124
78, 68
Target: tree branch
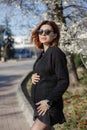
75, 6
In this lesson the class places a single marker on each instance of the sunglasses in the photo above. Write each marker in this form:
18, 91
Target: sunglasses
47, 32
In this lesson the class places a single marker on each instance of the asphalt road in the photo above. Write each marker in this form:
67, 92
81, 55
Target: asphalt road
11, 73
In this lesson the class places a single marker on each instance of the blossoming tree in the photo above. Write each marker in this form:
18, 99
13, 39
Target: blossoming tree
67, 14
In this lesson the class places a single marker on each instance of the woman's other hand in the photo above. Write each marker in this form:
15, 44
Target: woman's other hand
35, 78
42, 107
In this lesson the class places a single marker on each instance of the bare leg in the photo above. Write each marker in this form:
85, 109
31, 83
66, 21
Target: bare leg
38, 125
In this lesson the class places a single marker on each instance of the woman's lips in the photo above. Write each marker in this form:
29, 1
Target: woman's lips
43, 38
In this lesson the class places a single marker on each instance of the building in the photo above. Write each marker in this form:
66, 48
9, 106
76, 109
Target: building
23, 48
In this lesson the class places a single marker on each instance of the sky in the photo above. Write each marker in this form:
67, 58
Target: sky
20, 23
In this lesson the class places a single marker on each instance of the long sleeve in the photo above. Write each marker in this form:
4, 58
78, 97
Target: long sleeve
59, 65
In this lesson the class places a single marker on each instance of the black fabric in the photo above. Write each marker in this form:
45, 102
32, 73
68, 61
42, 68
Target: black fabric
53, 116
54, 80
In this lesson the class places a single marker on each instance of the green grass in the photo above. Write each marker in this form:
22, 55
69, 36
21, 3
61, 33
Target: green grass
75, 111
84, 79
29, 86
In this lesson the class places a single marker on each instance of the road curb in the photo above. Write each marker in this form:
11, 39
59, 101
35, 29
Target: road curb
25, 100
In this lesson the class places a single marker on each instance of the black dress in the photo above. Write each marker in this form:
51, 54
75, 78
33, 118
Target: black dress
54, 80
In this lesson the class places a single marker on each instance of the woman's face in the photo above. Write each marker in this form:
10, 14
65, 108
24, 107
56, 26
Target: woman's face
46, 34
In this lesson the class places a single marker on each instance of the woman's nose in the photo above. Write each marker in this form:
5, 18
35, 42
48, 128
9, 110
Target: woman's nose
43, 33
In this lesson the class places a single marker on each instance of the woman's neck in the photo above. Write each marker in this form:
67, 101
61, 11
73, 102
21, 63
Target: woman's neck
46, 47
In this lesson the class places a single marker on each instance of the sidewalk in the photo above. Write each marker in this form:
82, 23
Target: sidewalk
13, 104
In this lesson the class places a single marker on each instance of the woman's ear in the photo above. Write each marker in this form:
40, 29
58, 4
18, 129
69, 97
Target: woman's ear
55, 35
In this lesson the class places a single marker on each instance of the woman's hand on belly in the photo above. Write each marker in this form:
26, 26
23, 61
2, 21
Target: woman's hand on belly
42, 107
35, 78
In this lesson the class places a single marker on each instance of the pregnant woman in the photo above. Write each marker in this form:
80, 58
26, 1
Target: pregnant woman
50, 77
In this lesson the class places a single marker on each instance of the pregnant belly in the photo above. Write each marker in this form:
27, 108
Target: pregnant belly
43, 88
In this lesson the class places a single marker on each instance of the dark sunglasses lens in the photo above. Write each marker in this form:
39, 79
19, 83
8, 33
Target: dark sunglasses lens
47, 32
40, 32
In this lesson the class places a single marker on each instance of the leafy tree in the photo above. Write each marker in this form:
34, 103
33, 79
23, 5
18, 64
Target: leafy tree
8, 41
1, 37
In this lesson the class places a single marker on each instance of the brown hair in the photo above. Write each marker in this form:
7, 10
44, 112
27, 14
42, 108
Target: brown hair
35, 37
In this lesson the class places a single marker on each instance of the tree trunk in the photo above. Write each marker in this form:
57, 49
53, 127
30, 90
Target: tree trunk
56, 14
72, 71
